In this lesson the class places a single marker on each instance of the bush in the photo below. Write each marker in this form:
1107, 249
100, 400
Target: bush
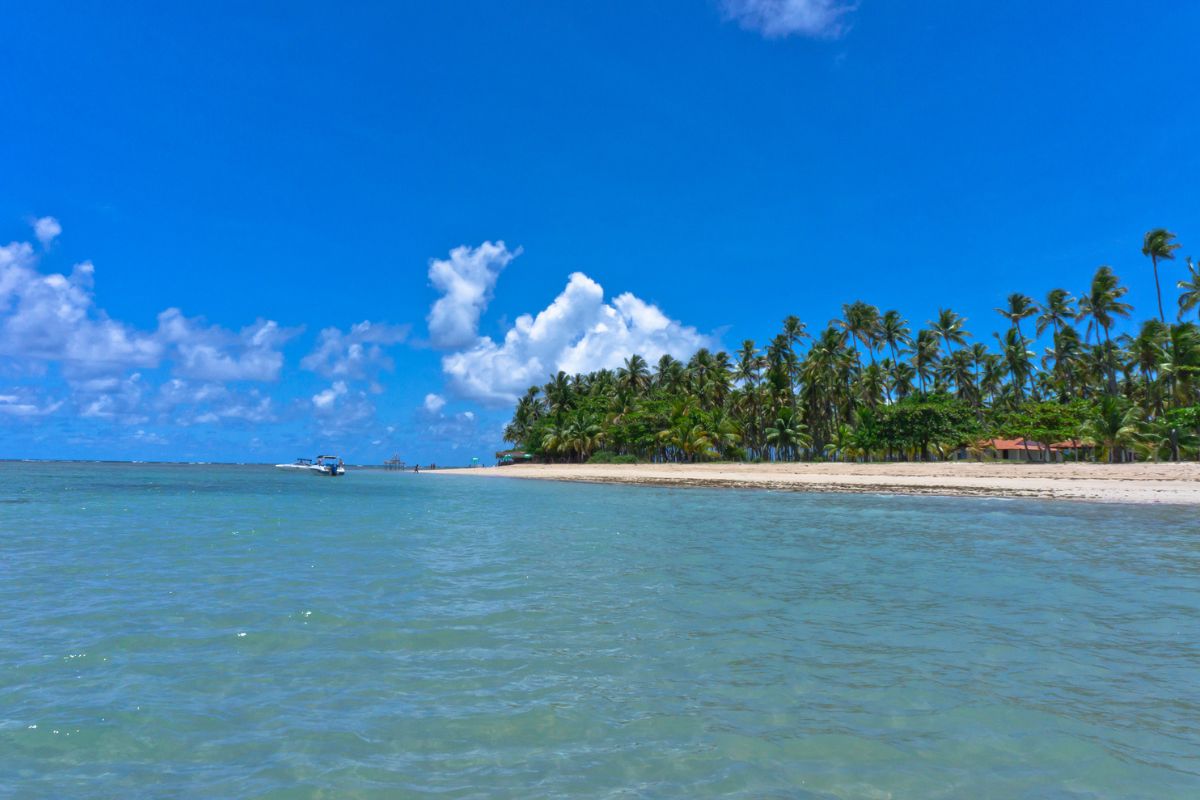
626, 459
602, 457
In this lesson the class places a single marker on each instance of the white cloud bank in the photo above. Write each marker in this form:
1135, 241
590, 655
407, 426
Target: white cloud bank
53, 318
578, 332
213, 353
357, 353
779, 18
465, 280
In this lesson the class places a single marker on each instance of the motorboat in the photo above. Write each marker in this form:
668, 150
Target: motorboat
330, 466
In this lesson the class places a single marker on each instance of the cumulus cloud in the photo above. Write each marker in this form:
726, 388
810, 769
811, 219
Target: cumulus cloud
578, 332
325, 399
213, 353
340, 408
53, 318
46, 229
779, 18
175, 393
466, 280
255, 408
112, 398
21, 402
150, 437
357, 353
434, 403
184, 402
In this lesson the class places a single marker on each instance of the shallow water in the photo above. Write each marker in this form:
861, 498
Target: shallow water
201, 632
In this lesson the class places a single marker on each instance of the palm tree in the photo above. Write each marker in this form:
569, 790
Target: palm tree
749, 364
1191, 289
1016, 358
788, 434
842, 445
1159, 243
1114, 424
893, 331
634, 376
1020, 306
861, 321
925, 356
1056, 311
949, 326
793, 330
1103, 302
901, 377
1144, 383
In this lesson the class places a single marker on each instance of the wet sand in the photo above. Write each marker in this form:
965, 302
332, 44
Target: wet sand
1115, 483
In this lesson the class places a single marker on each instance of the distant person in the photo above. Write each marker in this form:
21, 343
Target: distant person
416, 467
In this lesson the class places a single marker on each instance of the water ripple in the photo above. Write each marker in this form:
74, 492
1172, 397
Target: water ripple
239, 632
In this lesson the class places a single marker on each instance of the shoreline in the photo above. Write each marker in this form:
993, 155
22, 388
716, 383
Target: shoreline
1143, 484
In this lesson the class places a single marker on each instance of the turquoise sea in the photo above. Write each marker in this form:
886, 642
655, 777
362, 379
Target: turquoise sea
240, 632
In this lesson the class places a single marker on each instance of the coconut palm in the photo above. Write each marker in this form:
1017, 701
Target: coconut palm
925, 355
1058, 308
1102, 304
1018, 307
1017, 359
794, 331
634, 376
1114, 424
841, 446
893, 331
861, 321
749, 365
787, 435
1191, 289
949, 327
1159, 243
786, 401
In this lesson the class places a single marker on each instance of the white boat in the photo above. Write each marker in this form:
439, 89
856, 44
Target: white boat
328, 466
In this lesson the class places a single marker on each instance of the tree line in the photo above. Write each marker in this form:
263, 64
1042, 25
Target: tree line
867, 386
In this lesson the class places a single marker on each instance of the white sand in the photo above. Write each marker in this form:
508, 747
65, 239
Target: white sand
1119, 483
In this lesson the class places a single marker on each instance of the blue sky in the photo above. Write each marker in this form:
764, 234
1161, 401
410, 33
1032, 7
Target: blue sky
238, 188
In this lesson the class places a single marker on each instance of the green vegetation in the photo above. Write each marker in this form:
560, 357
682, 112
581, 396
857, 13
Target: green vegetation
867, 387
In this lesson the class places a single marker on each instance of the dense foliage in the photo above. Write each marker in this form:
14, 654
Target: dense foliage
868, 387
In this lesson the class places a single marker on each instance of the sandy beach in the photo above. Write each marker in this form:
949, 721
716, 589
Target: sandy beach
1119, 483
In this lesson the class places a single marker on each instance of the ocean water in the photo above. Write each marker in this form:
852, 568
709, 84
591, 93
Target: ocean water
239, 632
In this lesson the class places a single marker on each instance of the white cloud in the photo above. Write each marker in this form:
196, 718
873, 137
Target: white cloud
357, 353
110, 397
22, 403
175, 393
255, 409
213, 353
324, 400
779, 18
341, 408
149, 437
46, 229
578, 332
53, 318
434, 403
466, 280
187, 403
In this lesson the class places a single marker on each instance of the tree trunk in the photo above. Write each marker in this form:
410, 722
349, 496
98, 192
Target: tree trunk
1161, 317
